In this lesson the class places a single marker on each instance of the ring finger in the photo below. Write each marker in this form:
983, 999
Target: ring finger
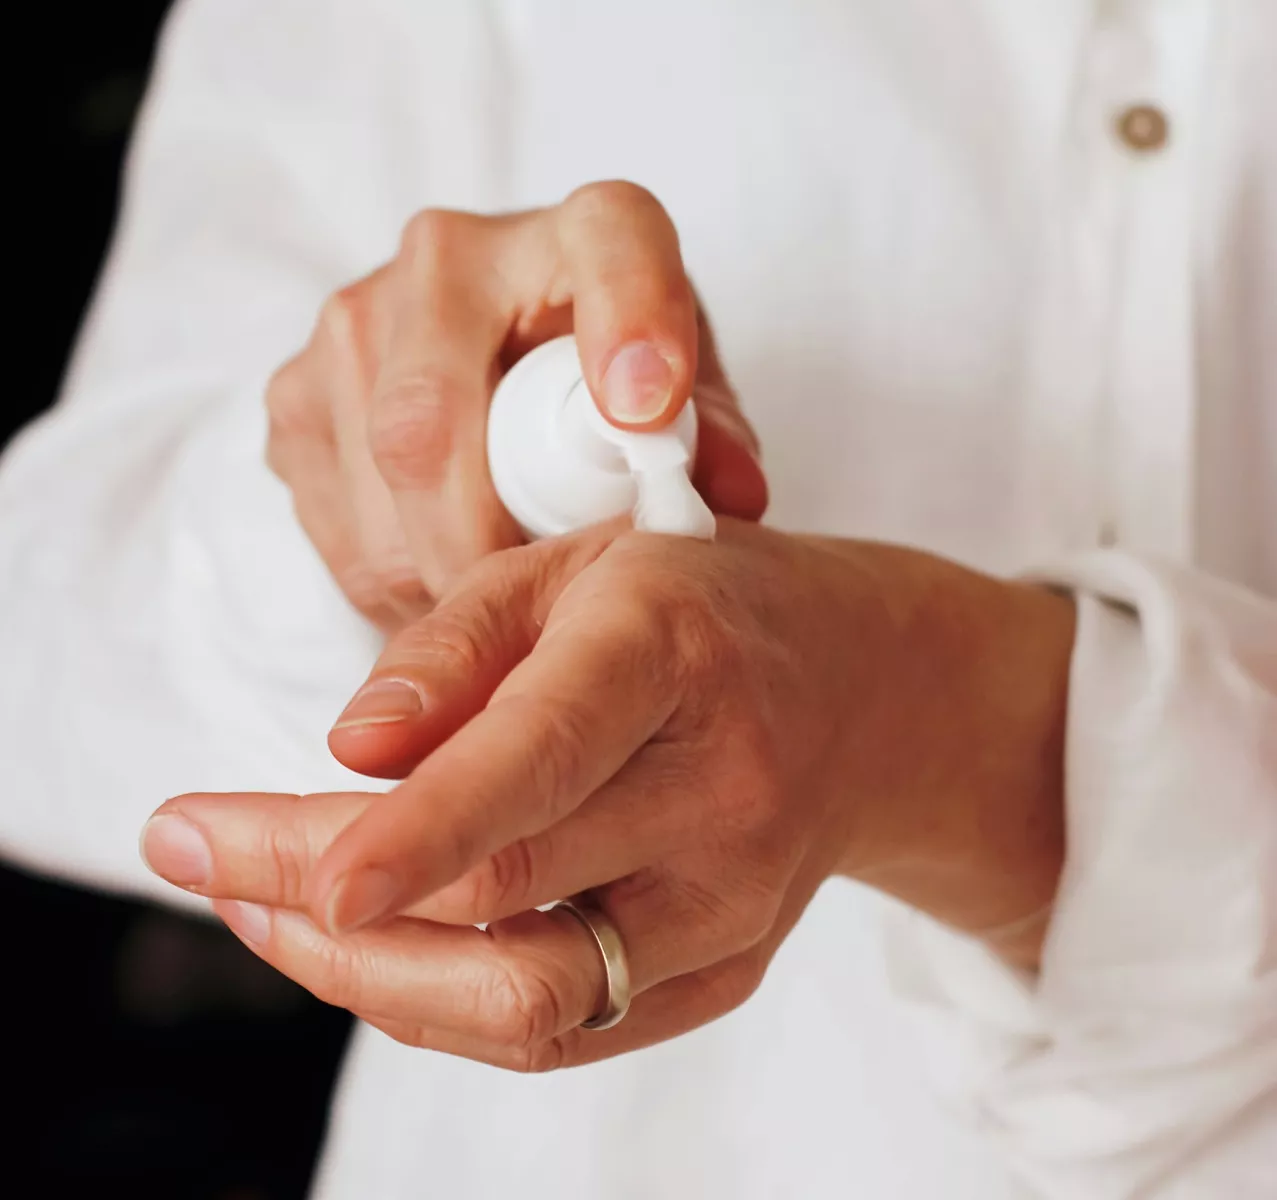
667, 1010
516, 985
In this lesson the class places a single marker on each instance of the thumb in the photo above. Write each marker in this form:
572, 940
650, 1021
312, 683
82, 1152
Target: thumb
633, 308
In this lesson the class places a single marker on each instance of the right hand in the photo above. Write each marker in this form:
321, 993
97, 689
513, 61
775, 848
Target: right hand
378, 426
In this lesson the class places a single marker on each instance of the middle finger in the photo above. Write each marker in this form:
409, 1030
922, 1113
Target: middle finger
263, 847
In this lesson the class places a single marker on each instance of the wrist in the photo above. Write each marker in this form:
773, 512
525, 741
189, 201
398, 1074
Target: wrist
966, 815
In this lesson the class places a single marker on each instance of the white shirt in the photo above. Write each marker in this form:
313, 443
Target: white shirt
963, 313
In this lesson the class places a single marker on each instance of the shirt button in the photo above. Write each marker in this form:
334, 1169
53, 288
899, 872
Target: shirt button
1143, 127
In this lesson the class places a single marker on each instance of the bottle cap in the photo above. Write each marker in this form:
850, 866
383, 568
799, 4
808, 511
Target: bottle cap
558, 465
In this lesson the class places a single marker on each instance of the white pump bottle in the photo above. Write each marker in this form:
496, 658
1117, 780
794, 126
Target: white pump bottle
558, 466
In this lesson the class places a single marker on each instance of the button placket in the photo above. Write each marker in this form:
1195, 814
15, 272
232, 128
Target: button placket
1124, 127
1147, 434
1112, 376
1071, 338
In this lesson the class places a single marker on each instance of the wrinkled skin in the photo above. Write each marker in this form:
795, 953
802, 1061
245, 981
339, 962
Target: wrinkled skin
702, 734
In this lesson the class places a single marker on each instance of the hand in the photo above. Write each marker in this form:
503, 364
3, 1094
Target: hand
701, 733
378, 425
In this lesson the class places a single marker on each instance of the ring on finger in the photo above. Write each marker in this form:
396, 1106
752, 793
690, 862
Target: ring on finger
608, 939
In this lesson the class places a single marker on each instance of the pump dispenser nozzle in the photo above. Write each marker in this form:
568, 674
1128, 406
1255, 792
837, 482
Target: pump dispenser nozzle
557, 465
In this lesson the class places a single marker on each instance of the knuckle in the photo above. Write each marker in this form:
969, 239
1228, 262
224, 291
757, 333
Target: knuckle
374, 592
411, 429
287, 854
361, 587
740, 916
703, 659
504, 883
378, 575
431, 235
560, 729
540, 1059
706, 903
342, 975
609, 196
702, 604
745, 811
341, 316
567, 746
526, 1009
402, 586
645, 613
736, 982
763, 796
387, 579
403, 1032
683, 608
756, 917
290, 402
451, 645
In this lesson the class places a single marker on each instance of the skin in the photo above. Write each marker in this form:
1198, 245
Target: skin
702, 734
378, 425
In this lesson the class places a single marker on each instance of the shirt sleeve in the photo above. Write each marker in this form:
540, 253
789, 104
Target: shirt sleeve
1142, 1061
164, 624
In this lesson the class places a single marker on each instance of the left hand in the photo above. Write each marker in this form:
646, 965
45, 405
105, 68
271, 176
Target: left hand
378, 425
701, 734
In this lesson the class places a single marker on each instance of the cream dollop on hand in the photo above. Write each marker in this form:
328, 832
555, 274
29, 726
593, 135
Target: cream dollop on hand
558, 466
667, 502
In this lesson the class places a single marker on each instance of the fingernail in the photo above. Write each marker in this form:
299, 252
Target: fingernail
359, 898
248, 921
176, 850
382, 702
638, 385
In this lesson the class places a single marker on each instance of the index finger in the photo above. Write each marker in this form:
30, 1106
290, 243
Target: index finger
566, 719
429, 402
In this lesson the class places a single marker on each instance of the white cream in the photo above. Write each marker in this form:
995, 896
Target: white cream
557, 465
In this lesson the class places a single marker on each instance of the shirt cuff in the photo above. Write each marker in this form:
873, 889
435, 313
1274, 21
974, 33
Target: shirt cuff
1150, 1033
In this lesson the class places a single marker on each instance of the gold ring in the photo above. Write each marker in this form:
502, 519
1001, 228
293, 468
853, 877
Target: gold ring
608, 939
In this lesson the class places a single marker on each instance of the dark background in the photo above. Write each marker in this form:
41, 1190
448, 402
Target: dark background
145, 1055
